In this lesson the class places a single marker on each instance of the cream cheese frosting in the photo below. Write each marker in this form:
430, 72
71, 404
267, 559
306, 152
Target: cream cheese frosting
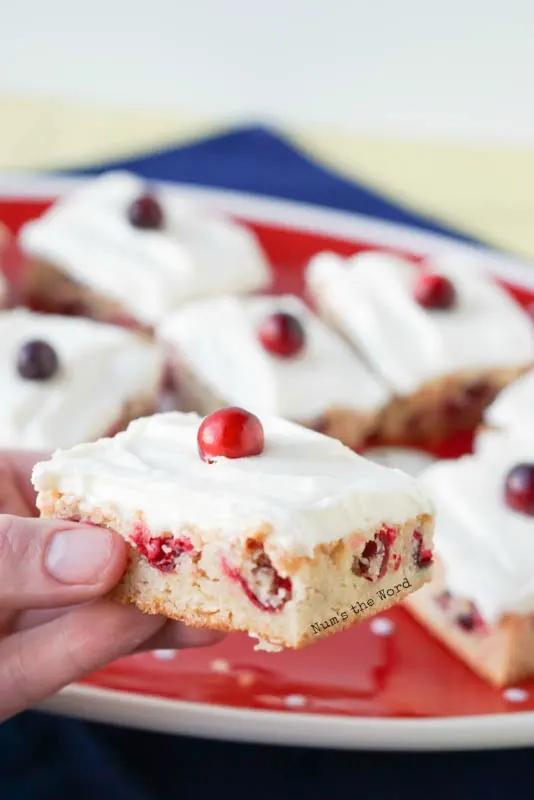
487, 549
218, 339
88, 235
370, 296
102, 367
513, 408
308, 488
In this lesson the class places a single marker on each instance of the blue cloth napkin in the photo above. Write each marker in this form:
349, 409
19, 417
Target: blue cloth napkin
46, 757
259, 161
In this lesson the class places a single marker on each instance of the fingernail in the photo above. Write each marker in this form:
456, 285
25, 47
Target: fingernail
79, 556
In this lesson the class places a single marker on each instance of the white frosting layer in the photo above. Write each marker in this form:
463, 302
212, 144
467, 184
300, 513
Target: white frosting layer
486, 548
513, 409
371, 297
88, 236
308, 487
218, 339
101, 368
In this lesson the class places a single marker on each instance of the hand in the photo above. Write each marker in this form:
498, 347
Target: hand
55, 623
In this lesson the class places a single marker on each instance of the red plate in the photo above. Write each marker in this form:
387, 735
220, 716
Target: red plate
388, 677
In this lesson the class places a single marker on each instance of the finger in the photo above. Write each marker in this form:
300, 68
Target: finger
38, 662
21, 464
172, 635
177, 635
12, 499
48, 563
26, 620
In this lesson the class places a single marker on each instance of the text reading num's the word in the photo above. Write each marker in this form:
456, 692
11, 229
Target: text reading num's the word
357, 608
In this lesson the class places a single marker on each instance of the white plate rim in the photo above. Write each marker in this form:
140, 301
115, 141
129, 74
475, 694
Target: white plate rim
289, 727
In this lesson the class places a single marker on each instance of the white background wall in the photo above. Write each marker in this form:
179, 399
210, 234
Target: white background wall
455, 68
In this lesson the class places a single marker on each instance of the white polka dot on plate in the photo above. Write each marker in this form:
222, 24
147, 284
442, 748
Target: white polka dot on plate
382, 626
514, 695
295, 701
164, 655
220, 665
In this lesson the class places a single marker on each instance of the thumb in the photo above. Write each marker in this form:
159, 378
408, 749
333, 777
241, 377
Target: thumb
48, 563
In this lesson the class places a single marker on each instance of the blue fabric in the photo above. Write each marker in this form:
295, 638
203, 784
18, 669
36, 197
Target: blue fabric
259, 161
44, 757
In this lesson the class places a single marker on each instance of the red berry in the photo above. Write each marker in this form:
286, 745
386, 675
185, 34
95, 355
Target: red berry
422, 556
230, 433
146, 213
37, 361
282, 335
434, 291
519, 489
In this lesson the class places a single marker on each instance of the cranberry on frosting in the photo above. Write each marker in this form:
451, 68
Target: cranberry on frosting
146, 213
230, 433
37, 361
519, 489
434, 291
282, 335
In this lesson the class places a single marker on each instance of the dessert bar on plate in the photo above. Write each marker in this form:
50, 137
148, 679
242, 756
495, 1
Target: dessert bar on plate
115, 251
276, 358
444, 335
239, 524
480, 601
68, 380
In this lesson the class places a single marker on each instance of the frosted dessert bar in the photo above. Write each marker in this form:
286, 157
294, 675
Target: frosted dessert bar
445, 336
239, 524
480, 602
273, 356
66, 380
115, 251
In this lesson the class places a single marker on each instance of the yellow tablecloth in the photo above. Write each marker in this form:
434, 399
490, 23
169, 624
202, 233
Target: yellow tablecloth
487, 190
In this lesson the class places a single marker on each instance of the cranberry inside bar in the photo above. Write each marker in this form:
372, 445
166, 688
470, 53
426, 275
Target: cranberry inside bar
294, 543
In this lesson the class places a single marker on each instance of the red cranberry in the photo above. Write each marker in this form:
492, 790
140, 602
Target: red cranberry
519, 489
254, 579
471, 620
230, 433
479, 391
434, 291
444, 599
282, 335
37, 361
361, 567
386, 537
422, 556
161, 552
145, 212
376, 550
